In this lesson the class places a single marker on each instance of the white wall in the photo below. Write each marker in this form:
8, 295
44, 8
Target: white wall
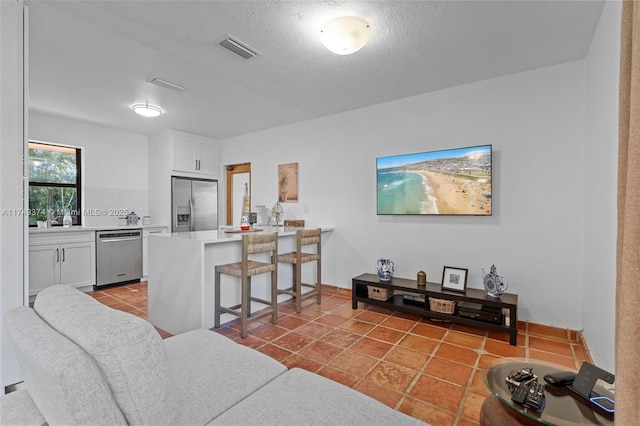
12, 227
115, 171
535, 121
600, 170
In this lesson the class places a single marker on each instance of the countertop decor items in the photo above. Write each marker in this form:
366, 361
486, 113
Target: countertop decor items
277, 212
132, 218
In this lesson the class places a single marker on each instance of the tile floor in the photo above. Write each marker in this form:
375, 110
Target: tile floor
429, 370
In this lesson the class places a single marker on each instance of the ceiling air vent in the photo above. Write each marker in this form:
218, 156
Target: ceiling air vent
239, 48
169, 85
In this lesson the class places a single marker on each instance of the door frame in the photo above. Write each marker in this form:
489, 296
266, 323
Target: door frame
230, 171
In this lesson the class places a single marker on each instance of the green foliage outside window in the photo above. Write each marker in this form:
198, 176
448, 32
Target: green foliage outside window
54, 183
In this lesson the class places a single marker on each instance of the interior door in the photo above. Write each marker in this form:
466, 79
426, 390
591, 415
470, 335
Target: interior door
238, 175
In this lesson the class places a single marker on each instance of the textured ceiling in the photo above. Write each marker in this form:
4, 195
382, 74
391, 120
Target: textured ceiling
91, 60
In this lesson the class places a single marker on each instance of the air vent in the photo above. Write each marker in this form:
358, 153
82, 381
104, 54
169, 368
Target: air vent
239, 48
169, 85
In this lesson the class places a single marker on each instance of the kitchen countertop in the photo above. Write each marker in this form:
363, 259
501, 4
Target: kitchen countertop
213, 237
60, 229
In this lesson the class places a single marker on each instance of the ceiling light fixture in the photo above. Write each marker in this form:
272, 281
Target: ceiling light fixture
147, 110
345, 35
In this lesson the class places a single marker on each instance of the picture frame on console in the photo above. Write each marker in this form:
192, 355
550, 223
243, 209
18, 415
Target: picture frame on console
455, 279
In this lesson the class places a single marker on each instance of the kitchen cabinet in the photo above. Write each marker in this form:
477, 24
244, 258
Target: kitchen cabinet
59, 258
174, 153
145, 247
195, 154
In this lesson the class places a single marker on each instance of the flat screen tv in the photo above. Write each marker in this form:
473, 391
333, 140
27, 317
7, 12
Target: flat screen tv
447, 182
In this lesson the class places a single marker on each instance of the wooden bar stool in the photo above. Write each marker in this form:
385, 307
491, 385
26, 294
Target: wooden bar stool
304, 237
245, 269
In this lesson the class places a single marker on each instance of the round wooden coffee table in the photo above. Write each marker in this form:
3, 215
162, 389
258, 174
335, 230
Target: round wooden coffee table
561, 407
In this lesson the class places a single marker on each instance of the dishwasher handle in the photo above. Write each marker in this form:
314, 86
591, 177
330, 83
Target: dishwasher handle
116, 240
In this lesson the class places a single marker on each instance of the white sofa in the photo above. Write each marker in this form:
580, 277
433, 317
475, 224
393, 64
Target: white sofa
87, 364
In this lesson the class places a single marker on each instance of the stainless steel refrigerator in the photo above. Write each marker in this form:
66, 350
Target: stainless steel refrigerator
194, 204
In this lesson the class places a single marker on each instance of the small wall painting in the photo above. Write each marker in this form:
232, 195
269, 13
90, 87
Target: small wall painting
288, 183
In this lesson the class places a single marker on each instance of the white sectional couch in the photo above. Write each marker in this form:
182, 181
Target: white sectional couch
87, 364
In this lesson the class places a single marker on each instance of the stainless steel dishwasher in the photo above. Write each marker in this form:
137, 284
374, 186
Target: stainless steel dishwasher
118, 256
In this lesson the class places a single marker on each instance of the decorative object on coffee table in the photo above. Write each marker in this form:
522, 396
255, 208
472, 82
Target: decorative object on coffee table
385, 269
560, 407
454, 279
493, 283
422, 279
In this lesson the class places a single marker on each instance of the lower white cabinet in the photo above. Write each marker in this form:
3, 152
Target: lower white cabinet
145, 247
61, 259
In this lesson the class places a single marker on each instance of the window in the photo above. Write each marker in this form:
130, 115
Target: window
54, 183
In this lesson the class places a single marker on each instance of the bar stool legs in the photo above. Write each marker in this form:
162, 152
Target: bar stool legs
297, 258
245, 269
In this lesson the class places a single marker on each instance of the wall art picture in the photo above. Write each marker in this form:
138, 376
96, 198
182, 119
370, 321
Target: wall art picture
454, 279
288, 183
446, 182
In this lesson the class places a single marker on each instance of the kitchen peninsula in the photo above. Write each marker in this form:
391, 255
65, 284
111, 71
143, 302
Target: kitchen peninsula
181, 275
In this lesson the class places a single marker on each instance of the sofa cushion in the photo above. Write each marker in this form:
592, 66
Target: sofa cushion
213, 373
299, 397
62, 379
17, 408
127, 349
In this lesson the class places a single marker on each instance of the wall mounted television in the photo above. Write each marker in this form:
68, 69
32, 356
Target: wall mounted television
446, 182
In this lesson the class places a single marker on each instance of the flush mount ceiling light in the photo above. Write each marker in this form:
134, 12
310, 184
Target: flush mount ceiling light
345, 35
147, 110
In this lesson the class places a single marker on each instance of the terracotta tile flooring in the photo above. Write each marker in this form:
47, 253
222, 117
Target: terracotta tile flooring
429, 370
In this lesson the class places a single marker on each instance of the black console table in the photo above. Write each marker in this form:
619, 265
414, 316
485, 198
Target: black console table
402, 286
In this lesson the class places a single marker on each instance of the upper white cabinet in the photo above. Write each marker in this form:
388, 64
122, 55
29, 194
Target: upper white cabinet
176, 153
195, 154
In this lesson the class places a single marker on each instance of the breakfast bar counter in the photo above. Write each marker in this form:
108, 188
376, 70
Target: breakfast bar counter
181, 275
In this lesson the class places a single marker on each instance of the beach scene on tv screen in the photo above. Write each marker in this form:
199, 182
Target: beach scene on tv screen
448, 182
